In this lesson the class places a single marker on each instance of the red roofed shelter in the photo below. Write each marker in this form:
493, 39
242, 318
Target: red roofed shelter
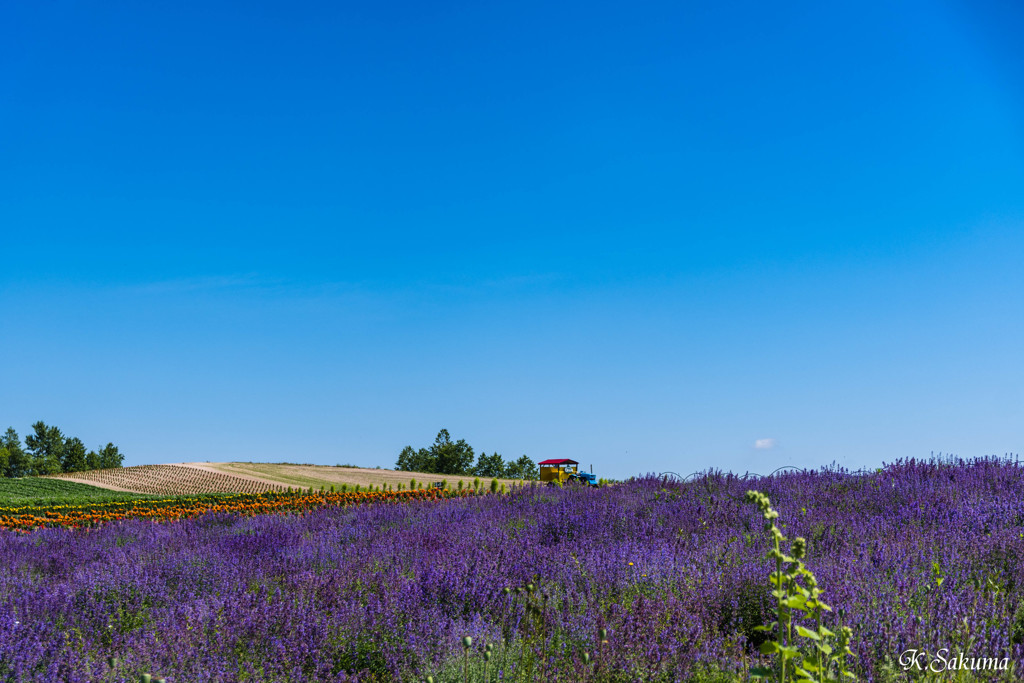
557, 470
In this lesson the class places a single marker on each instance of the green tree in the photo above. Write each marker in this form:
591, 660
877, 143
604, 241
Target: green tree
5, 459
444, 457
523, 468
73, 456
451, 457
46, 447
489, 465
18, 462
410, 460
92, 460
109, 457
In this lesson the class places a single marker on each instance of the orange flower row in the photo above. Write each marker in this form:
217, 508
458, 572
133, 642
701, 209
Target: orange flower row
26, 519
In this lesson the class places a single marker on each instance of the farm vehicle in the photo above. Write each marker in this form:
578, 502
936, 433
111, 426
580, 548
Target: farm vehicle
564, 471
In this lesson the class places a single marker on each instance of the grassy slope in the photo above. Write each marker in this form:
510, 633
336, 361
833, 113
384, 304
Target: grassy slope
40, 491
325, 475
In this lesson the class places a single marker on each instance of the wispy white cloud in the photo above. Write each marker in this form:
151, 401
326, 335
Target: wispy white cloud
764, 444
202, 283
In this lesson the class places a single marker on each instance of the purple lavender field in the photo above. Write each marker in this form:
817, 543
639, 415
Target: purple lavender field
917, 556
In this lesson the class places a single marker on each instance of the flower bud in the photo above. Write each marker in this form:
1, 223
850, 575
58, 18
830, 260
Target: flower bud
602, 633
467, 642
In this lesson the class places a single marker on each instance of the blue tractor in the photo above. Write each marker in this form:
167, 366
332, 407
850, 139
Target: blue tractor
585, 478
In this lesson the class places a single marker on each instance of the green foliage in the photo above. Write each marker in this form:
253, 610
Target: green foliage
451, 457
1017, 628
19, 464
523, 468
937, 574
443, 457
489, 465
410, 460
73, 457
110, 457
48, 451
46, 446
42, 492
743, 610
456, 457
798, 605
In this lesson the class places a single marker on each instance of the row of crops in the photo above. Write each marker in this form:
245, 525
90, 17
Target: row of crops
28, 518
171, 480
47, 491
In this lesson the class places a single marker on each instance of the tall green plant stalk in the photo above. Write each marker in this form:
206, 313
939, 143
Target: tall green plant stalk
467, 642
813, 659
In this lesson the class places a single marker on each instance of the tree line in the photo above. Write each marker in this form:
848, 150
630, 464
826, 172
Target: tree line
48, 451
457, 457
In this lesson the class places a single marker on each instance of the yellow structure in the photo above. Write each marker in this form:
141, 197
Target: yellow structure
557, 470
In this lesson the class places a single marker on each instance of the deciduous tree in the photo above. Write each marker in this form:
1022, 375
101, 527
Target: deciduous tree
489, 465
18, 462
73, 456
110, 457
411, 460
523, 468
46, 446
451, 457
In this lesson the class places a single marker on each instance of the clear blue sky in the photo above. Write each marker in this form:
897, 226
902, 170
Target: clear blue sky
644, 237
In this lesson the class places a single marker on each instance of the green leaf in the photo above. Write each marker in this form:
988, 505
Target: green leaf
768, 647
825, 632
850, 674
762, 672
806, 675
807, 633
825, 647
796, 602
764, 629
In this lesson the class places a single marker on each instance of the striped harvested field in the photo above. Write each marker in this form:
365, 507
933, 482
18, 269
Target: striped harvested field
305, 476
169, 480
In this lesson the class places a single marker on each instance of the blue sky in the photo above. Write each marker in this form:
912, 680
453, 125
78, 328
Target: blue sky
648, 238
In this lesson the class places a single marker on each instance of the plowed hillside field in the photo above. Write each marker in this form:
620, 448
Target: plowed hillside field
170, 480
305, 476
